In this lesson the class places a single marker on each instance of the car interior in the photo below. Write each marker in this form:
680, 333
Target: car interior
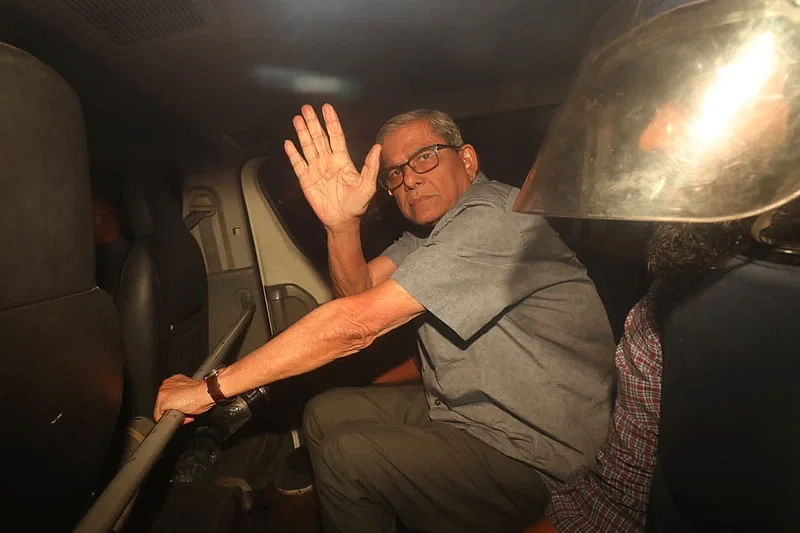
150, 219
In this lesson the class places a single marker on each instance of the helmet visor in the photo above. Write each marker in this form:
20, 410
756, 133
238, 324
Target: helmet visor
693, 116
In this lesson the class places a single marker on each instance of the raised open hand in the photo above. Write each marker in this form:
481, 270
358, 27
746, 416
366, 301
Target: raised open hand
337, 192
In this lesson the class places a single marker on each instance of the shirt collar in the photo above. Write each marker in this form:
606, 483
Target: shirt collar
480, 179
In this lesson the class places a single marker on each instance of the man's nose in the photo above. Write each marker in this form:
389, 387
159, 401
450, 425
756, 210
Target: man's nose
411, 179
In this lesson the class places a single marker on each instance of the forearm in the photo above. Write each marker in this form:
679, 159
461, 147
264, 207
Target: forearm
348, 267
337, 329
405, 372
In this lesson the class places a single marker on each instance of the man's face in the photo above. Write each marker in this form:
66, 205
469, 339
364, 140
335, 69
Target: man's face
424, 198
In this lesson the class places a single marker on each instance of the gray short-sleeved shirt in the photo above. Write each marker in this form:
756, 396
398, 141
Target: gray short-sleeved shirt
515, 347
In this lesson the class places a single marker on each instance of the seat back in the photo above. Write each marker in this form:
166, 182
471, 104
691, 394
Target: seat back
728, 456
61, 375
163, 292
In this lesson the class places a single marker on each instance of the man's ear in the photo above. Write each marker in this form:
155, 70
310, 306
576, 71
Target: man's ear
469, 157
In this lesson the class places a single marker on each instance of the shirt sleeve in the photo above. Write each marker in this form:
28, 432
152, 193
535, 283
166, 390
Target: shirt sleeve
401, 248
483, 260
613, 498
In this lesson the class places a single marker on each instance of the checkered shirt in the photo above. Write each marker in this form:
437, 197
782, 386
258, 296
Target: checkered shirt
613, 497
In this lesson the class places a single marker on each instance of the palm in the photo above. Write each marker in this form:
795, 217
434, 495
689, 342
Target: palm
337, 192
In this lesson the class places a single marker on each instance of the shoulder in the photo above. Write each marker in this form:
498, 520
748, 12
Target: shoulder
402, 247
477, 226
487, 193
485, 215
641, 340
485, 201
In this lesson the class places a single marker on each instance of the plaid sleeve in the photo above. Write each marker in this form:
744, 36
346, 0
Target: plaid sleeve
613, 497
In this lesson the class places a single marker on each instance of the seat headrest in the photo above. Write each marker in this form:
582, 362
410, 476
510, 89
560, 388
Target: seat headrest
137, 209
151, 192
46, 236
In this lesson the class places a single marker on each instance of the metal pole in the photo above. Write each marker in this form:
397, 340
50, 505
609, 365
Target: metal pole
108, 507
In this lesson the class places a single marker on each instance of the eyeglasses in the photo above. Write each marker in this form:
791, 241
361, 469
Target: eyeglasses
424, 160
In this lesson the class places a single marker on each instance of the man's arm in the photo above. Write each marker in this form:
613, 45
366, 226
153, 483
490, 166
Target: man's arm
339, 195
405, 372
336, 329
350, 272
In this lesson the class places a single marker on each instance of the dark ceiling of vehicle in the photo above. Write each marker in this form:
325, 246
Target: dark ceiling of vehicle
213, 81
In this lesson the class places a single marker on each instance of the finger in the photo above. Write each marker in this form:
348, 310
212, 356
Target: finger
306, 144
372, 164
318, 135
334, 127
187, 420
298, 163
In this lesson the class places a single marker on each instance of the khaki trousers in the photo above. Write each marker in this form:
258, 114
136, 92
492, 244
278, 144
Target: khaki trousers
379, 460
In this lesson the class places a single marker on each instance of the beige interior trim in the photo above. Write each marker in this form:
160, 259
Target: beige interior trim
229, 225
279, 260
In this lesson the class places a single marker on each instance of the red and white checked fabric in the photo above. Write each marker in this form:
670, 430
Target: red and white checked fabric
613, 497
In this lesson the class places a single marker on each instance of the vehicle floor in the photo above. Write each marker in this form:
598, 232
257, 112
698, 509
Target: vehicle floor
235, 493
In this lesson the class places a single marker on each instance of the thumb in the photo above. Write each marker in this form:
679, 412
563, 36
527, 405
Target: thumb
372, 164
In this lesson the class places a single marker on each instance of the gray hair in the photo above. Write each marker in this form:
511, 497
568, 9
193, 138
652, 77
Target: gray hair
441, 123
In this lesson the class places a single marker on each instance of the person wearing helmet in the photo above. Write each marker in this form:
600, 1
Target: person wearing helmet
686, 114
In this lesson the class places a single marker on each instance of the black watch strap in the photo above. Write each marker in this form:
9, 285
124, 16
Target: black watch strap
213, 386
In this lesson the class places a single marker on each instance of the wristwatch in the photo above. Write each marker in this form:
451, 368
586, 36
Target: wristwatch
213, 386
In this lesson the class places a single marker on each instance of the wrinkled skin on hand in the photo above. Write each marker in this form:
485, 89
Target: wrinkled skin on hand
337, 192
184, 394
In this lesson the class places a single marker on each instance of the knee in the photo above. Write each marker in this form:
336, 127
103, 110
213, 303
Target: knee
352, 456
323, 412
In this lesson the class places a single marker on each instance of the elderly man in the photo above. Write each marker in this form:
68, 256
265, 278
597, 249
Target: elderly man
515, 348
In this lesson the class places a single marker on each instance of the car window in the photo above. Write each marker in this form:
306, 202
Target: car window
381, 224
